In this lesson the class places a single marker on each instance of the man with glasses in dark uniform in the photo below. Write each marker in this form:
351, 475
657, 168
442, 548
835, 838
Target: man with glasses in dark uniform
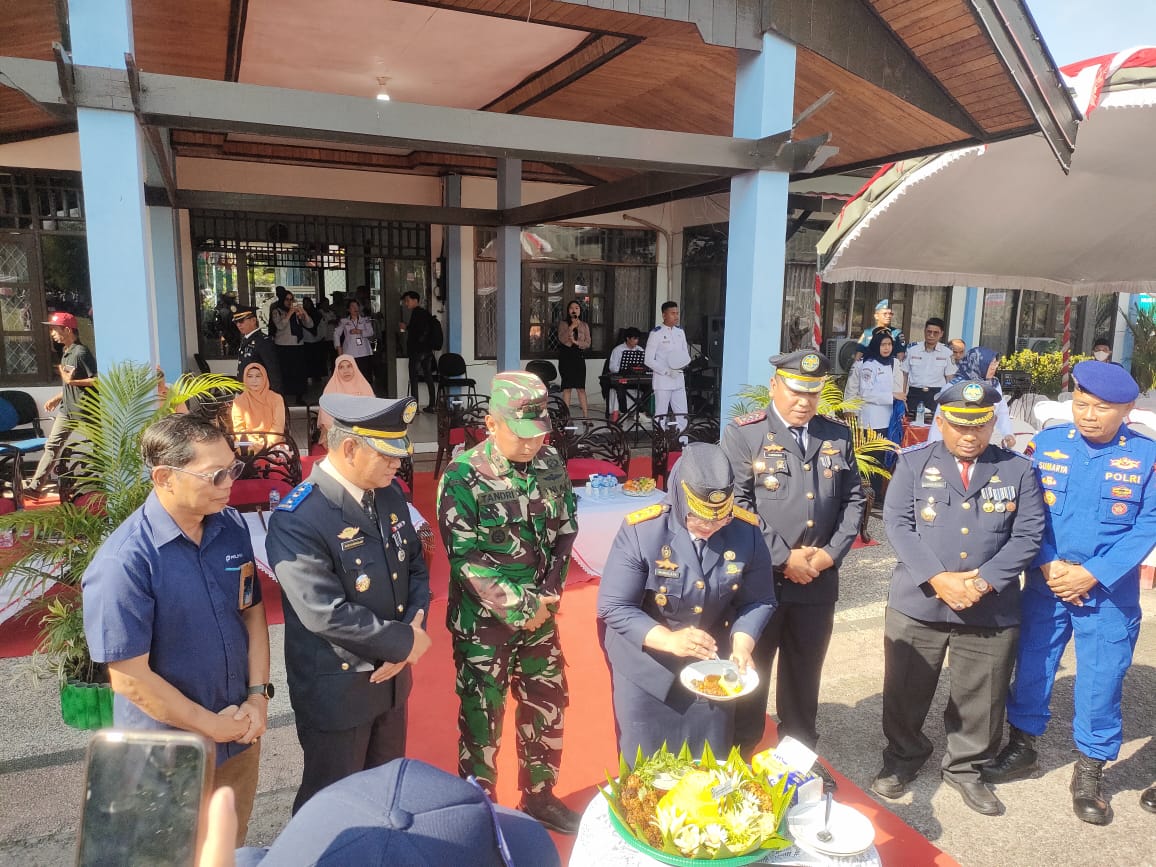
356, 593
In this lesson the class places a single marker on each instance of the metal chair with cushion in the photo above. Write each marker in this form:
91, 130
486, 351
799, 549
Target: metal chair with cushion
20, 423
272, 463
461, 421
545, 371
667, 440
592, 445
11, 477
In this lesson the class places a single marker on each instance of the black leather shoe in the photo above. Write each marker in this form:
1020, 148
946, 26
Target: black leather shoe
551, 812
890, 784
1087, 792
976, 795
429, 409
1015, 761
1148, 799
829, 784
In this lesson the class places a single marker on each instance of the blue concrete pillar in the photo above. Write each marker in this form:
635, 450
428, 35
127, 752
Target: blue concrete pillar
764, 101
112, 164
452, 278
509, 317
172, 352
972, 317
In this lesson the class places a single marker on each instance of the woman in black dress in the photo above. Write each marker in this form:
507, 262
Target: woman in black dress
573, 339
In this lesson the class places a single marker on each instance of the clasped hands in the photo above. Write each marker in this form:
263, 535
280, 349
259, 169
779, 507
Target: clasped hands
244, 723
805, 564
1069, 581
957, 590
421, 643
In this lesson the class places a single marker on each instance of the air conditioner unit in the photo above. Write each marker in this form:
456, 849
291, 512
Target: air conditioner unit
841, 353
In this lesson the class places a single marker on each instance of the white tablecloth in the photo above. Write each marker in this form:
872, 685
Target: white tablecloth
598, 523
599, 845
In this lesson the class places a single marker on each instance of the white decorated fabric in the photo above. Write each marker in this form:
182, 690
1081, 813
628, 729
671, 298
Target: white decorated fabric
598, 523
599, 845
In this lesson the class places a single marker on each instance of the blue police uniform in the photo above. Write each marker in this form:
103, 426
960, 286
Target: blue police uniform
1101, 514
151, 590
654, 577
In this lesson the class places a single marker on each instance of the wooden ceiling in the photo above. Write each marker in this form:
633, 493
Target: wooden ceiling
649, 73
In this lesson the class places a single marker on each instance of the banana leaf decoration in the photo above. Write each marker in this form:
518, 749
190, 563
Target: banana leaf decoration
731, 812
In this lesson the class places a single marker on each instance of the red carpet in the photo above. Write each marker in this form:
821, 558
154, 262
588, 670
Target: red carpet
589, 749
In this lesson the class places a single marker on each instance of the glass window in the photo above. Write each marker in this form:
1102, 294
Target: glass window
995, 327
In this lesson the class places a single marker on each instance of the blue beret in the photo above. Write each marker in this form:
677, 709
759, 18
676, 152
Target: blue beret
1105, 380
885, 304
408, 812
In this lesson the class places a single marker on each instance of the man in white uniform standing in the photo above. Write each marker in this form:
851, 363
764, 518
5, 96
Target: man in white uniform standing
666, 355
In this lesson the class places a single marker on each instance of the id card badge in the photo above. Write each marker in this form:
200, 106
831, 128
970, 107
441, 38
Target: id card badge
246, 584
358, 341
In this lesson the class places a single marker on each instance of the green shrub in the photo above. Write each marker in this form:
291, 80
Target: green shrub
1046, 368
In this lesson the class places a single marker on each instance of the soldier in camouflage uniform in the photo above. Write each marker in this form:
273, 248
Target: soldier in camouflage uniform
508, 519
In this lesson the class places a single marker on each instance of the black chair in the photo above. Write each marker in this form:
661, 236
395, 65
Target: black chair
28, 423
592, 445
667, 441
545, 371
202, 365
461, 421
272, 462
11, 475
452, 374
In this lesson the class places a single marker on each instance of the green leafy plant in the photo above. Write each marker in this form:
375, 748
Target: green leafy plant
110, 482
1046, 368
870, 448
1143, 328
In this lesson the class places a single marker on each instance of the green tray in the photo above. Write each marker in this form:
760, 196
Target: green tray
678, 860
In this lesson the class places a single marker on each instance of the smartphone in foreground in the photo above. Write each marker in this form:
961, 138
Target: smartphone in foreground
145, 796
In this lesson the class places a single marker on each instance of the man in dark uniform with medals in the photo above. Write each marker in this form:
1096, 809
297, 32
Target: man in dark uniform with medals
687, 579
798, 472
965, 518
256, 348
356, 593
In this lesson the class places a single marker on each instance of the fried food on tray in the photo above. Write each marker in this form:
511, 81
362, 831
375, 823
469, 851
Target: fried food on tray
710, 685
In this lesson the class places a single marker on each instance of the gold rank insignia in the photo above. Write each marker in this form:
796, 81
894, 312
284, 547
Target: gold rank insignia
1124, 463
728, 555
644, 514
1056, 455
666, 551
743, 515
348, 533
362, 583
666, 562
995, 479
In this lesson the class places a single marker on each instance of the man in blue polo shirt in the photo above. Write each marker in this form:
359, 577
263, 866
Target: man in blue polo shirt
173, 606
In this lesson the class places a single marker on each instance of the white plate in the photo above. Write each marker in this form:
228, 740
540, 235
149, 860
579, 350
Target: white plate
851, 831
699, 670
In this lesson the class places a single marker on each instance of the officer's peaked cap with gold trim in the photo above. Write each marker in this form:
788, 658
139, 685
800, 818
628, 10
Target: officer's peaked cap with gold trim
969, 403
384, 424
805, 370
706, 481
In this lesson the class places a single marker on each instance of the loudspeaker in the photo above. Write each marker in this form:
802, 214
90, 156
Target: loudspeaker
713, 338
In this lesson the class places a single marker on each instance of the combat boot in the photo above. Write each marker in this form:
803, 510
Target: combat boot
1087, 794
1015, 761
550, 811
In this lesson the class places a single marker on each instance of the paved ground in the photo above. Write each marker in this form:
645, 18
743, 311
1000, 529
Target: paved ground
41, 760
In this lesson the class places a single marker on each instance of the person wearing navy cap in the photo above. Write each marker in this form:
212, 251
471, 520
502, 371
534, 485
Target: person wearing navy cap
406, 813
356, 592
256, 347
965, 518
1100, 497
883, 315
797, 471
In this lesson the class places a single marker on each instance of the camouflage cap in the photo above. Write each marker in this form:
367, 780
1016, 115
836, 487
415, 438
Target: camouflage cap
519, 399
383, 424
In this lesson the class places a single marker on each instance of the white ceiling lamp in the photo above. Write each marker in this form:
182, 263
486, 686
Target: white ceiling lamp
382, 88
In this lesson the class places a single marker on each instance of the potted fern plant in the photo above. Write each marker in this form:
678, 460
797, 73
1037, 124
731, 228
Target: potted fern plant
109, 481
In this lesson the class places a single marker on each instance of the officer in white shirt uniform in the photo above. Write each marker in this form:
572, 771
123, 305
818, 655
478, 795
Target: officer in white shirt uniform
929, 367
666, 356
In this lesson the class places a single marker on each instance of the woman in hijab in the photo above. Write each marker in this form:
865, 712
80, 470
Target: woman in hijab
981, 363
258, 409
685, 581
347, 379
877, 381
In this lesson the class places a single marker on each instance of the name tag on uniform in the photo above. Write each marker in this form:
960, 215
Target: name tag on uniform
246, 585
352, 543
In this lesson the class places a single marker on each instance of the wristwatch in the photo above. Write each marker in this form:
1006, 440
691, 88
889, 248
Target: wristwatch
981, 585
265, 689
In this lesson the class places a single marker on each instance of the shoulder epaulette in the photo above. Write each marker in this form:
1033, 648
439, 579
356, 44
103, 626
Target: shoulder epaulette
296, 497
743, 515
751, 417
916, 447
655, 328
834, 420
645, 514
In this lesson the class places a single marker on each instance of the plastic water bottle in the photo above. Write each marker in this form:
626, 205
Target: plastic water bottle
921, 414
603, 488
591, 486
274, 499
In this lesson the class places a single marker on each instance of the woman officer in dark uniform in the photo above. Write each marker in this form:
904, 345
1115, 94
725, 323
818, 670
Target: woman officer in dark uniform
684, 580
